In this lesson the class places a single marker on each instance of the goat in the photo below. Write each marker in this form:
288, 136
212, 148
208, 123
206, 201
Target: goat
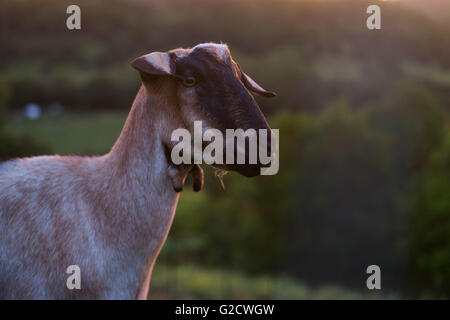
110, 215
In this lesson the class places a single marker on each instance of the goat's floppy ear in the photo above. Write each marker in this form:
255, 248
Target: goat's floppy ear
251, 85
155, 63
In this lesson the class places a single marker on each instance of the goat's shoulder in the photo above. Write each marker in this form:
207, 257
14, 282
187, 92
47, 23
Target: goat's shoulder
38, 172
41, 184
6, 164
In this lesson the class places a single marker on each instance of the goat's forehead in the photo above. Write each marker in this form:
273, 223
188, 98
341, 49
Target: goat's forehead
219, 50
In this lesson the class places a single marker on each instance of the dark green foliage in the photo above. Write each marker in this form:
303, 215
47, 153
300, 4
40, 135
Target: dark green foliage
342, 191
429, 228
15, 147
5, 96
341, 201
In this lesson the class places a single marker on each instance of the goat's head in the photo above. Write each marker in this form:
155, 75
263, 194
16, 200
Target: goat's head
211, 87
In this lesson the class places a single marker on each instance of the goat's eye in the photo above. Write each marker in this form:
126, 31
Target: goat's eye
189, 81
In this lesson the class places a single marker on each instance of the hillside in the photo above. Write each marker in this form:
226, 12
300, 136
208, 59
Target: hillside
310, 52
435, 9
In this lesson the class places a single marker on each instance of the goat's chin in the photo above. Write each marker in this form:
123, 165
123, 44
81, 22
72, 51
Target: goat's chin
247, 170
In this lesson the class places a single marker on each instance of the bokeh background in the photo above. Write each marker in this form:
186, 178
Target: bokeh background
364, 136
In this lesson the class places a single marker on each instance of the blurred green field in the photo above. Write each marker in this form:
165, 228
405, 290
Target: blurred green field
72, 133
191, 282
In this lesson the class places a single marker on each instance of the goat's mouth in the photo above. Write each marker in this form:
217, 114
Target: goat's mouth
246, 168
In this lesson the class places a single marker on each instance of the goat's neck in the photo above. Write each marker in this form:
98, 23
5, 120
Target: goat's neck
141, 201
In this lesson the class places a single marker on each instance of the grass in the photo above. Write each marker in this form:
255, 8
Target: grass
72, 133
193, 282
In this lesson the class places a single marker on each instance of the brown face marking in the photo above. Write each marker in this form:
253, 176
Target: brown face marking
219, 95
